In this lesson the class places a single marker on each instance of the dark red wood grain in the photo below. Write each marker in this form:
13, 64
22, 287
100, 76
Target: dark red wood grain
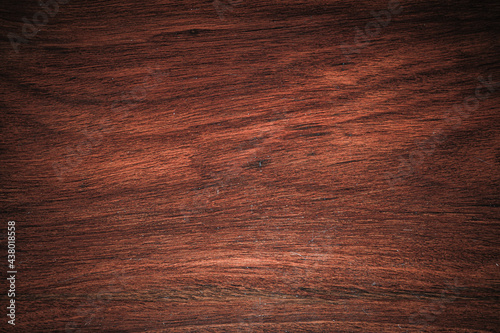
244, 166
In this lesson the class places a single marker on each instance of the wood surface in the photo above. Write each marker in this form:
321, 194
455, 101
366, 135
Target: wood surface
251, 166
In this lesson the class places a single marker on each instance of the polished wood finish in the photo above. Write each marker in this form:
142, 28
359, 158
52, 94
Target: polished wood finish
249, 166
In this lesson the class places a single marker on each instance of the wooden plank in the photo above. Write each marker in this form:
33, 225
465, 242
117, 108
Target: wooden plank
245, 166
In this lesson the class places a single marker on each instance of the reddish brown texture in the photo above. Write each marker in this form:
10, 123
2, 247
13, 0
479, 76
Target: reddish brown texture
191, 167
